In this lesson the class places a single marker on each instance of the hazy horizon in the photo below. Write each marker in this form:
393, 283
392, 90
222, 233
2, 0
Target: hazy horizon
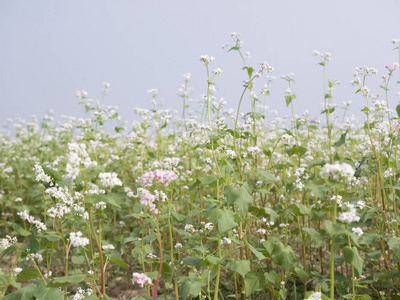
52, 49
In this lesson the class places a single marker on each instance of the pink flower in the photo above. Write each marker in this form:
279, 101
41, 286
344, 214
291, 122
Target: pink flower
163, 176
140, 279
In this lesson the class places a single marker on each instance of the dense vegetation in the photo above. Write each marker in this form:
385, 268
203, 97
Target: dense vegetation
210, 205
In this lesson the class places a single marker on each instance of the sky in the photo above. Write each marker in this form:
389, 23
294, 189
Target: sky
51, 49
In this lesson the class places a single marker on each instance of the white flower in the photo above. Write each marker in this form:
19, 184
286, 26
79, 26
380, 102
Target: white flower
109, 179
189, 228
8, 242
209, 226
40, 175
349, 217
81, 94
16, 271
108, 247
315, 296
77, 240
106, 86
217, 71
358, 231
315, 53
226, 241
101, 205
338, 171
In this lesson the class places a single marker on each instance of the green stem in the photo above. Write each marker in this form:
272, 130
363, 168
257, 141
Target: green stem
333, 252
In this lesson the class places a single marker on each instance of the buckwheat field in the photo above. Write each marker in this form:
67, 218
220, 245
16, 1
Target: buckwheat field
210, 202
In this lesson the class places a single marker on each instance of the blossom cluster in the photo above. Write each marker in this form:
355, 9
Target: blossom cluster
110, 180
163, 176
315, 296
141, 279
40, 175
77, 240
30, 219
8, 242
338, 171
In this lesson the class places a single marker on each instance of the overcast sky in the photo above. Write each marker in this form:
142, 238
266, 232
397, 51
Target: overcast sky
50, 49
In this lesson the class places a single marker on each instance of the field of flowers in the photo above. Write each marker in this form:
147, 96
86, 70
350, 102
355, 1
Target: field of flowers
214, 204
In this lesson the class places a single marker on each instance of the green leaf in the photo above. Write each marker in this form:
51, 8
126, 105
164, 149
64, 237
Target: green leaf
52, 237
254, 282
65, 280
240, 197
9, 250
93, 199
266, 175
300, 209
299, 150
20, 229
190, 288
394, 244
328, 111
318, 190
283, 256
224, 219
26, 293
273, 215
28, 273
212, 262
257, 253
334, 229
271, 276
118, 261
387, 275
301, 273
240, 266
317, 237
44, 293
288, 100
52, 173
341, 141
207, 180
192, 261
152, 275
352, 257
34, 244
250, 70
166, 272
179, 217
77, 260
398, 110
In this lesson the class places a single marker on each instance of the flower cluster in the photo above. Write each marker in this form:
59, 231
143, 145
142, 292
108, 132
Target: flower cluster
30, 219
40, 175
140, 279
108, 247
77, 155
338, 171
82, 294
8, 242
77, 240
109, 180
101, 205
315, 296
349, 217
163, 176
